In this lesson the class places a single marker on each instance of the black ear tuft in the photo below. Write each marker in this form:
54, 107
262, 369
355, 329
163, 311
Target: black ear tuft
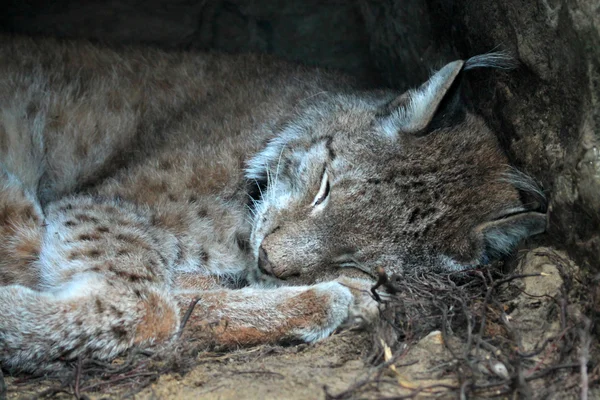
499, 60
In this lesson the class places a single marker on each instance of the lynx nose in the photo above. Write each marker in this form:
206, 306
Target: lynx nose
263, 262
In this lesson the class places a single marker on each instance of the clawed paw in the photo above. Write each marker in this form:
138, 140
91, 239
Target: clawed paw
350, 304
364, 310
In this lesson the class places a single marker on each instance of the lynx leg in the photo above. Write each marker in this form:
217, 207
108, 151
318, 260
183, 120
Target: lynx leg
102, 288
20, 233
287, 314
90, 317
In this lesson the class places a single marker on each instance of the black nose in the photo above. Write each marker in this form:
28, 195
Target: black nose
263, 262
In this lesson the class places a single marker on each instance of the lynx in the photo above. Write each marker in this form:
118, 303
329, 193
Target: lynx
135, 180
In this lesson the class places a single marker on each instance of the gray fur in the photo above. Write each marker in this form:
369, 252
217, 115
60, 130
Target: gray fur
134, 180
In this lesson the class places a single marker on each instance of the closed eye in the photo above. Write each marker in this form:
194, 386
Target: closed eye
323, 194
256, 188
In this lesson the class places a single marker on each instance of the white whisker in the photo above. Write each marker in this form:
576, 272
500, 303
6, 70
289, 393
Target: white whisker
259, 189
524, 182
267, 169
278, 165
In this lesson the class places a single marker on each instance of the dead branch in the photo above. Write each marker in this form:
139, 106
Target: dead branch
187, 316
586, 340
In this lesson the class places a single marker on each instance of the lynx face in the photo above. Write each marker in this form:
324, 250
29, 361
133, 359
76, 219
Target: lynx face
408, 183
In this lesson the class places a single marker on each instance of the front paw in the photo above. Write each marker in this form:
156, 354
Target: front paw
329, 304
364, 309
348, 304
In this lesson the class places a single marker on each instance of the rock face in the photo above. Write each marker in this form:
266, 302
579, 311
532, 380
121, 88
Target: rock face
326, 33
546, 112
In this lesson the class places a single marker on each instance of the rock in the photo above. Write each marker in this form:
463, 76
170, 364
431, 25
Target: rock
425, 366
325, 33
535, 314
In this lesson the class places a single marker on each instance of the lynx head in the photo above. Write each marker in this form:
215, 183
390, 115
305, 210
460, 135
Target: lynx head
407, 182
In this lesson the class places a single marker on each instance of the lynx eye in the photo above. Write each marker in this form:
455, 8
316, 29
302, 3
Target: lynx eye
323, 193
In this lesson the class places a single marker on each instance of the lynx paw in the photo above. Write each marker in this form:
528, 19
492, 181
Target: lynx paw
363, 310
349, 304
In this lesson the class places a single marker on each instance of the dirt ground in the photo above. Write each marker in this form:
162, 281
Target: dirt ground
532, 341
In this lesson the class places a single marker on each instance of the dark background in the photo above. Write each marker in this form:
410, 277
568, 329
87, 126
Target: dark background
546, 112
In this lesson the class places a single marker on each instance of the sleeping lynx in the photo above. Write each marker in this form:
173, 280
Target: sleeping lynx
133, 180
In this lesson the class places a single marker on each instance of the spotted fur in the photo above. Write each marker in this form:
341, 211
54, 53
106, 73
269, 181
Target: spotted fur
135, 180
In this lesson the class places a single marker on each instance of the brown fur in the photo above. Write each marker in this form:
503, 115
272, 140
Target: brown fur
135, 180
157, 323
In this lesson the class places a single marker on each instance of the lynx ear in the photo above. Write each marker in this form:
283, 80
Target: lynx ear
501, 236
413, 111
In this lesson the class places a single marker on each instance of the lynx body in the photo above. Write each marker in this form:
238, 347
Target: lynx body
133, 181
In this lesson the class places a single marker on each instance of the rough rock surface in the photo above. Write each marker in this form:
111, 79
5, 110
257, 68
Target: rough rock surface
325, 33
